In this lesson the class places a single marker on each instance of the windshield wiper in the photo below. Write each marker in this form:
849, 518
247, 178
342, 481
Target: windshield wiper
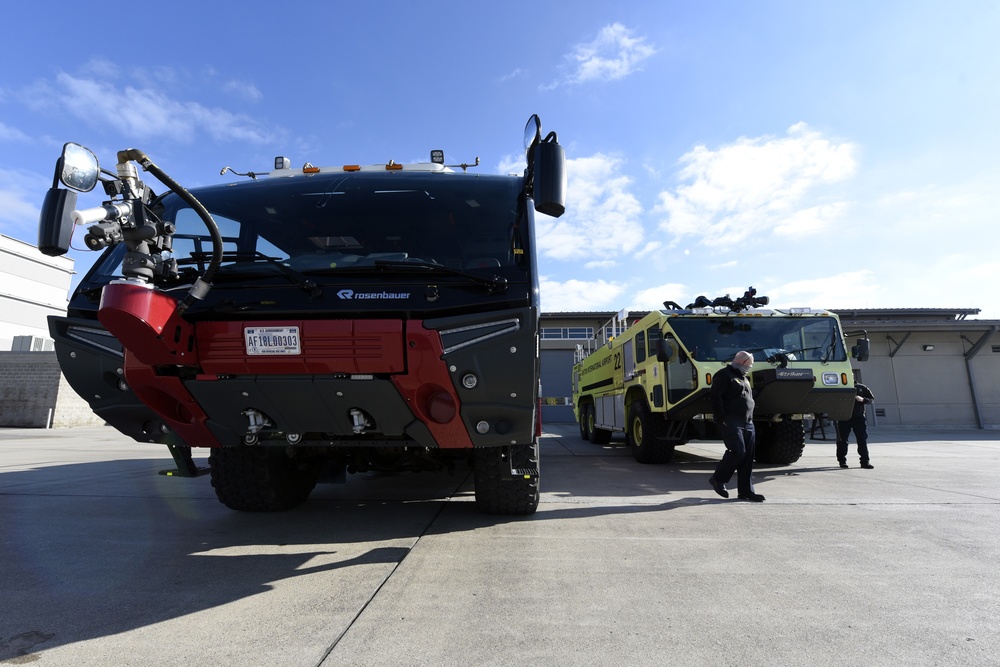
302, 281
494, 283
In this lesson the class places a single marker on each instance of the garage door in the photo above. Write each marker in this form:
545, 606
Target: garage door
557, 386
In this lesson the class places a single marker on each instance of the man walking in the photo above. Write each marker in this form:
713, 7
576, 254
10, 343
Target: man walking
732, 407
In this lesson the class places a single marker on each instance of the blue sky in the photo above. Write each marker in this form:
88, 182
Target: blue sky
842, 155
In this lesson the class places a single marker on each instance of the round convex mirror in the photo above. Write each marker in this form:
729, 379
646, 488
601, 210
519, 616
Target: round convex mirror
79, 168
532, 132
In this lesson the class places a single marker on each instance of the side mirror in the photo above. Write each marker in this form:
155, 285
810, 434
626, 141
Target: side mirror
78, 168
55, 227
862, 350
664, 351
550, 179
532, 135
546, 169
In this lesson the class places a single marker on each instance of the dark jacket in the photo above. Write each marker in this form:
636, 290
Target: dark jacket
859, 407
732, 399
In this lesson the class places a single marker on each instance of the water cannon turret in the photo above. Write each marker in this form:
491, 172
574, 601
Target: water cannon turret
748, 300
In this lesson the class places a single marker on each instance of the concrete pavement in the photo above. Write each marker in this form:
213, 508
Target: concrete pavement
105, 562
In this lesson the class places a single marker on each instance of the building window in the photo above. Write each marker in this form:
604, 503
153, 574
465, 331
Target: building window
612, 331
567, 333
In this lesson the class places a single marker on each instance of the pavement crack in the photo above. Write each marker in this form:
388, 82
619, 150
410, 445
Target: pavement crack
381, 585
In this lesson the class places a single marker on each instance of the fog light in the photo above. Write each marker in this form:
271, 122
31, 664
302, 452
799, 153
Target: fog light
469, 381
441, 407
482, 428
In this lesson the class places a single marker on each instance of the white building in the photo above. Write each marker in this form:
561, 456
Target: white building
32, 287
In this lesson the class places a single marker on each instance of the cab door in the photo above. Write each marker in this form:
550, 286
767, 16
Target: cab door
680, 373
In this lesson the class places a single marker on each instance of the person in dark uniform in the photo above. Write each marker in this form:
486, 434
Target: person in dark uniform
859, 424
732, 407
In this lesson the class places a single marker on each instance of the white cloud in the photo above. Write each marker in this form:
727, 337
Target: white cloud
757, 186
8, 133
601, 264
245, 90
653, 297
809, 221
144, 112
101, 68
614, 54
731, 264
580, 295
18, 212
844, 290
648, 249
516, 73
510, 164
602, 216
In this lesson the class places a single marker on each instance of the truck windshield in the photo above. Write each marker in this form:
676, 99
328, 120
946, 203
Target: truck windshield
349, 220
326, 223
796, 338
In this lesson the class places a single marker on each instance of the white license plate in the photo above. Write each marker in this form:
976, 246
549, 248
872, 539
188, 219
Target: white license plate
272, 340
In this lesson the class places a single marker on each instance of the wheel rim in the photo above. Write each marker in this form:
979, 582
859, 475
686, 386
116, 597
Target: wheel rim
637, 432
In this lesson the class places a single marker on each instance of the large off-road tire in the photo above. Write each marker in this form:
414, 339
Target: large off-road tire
584, 422
780, 443
498, 490
646, 434
261, 479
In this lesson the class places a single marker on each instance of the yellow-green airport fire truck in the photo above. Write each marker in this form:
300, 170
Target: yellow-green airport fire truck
652, 380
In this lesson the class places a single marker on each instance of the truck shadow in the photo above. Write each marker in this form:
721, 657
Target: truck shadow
97, 549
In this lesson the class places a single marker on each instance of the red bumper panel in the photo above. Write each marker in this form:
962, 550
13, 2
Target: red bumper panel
327, 346
428, 389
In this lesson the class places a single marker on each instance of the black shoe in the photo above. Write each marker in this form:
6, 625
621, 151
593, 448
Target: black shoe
867, 465
843, 464
752, 497
719, 488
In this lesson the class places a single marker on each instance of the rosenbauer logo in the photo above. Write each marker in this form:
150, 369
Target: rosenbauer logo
350, 294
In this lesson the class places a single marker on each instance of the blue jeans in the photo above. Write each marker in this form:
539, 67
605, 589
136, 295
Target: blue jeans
740, 440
